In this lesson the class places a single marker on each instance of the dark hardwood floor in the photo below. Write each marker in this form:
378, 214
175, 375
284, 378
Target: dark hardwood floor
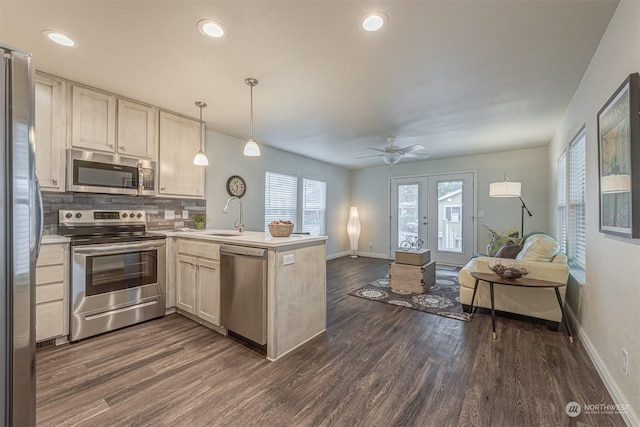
377, 365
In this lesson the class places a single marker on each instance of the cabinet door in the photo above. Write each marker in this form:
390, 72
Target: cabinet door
94, 120
51, 131
209, 291
179, 143
186, 284
137, 126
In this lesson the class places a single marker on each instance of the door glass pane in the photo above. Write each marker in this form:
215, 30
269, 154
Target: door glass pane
407, 211
450, 216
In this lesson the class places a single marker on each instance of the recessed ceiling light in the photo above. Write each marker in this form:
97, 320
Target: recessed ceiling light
374, 21
212, 29
59, 38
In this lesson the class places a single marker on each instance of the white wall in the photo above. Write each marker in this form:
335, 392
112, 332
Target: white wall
370, 192
607, 305
226, 159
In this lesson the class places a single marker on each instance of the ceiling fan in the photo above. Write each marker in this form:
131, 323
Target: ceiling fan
392, 153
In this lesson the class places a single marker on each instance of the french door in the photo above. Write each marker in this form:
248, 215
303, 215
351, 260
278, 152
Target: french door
438, 209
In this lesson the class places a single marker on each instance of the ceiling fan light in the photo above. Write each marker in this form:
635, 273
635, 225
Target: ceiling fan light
391, 158
251, 149
201, 159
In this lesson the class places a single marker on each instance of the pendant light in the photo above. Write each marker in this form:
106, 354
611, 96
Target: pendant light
251, 148
201, 159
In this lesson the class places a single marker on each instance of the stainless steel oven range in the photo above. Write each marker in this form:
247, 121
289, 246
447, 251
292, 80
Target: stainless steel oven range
117, 270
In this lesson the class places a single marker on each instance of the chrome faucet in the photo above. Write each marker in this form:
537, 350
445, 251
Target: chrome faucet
237, 223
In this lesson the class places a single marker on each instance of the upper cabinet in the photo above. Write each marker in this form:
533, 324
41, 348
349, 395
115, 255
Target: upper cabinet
50, 131
103, 122
137, 129
93, 116
179, 141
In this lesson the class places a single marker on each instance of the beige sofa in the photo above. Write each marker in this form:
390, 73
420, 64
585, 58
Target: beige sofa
534, 302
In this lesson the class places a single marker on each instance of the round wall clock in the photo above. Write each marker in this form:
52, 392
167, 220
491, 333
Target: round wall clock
236, 186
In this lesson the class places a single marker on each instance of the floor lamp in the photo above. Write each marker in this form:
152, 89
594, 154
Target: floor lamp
353, 230
507, 188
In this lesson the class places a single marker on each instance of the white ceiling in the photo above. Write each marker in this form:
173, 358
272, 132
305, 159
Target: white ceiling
459, 77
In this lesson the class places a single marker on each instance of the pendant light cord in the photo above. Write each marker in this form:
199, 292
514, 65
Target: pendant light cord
252, 111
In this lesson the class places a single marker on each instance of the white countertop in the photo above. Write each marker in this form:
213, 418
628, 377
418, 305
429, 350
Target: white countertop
261, 239
49, 239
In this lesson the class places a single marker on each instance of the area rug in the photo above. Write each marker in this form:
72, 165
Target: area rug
443, 298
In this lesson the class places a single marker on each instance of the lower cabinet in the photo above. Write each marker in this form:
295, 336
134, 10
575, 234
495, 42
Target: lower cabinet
52, 297
198, 280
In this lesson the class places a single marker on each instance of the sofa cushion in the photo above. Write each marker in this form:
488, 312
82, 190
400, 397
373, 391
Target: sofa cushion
539, 247
509, 250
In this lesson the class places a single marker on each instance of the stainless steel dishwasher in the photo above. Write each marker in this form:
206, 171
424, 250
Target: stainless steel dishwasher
243, 291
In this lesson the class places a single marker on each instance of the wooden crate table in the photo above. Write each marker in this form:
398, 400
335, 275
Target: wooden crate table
417, 257
412, 278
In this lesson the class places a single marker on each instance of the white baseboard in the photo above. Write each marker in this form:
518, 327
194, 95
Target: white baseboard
362, 254
338, 255
629, 416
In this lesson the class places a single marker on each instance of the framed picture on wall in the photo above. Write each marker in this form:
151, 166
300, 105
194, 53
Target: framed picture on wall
619, 161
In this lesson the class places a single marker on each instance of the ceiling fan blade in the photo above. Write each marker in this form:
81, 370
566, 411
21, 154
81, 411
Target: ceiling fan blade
377, 149
411, 148
417, 155
365, 157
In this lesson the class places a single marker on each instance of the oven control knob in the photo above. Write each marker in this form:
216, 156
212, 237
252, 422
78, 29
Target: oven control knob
132, 215
68, 215
139, 215
124, 215
78, 215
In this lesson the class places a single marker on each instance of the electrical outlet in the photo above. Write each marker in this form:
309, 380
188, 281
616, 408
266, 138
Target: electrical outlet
178, 224
169, 214
480, 214
185, 214
288, 259
625, 362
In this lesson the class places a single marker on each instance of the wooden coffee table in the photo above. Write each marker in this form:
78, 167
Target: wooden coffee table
523, 282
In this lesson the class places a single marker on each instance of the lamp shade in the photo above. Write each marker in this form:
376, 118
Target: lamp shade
505, 189
615, 184
353, 228
251, 149
200, 159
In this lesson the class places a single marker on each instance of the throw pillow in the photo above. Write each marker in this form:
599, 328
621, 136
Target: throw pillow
497, 240
539, 247
508, 250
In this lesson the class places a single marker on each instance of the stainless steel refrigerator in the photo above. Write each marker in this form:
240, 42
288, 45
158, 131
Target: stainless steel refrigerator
20, 235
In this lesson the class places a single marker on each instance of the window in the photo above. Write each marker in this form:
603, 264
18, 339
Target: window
577, 209
561, 203
280, 198
281, 202
314, 207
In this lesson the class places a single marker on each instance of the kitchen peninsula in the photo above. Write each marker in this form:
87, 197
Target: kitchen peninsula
295, 282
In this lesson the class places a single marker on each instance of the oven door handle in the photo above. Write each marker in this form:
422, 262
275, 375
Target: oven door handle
123, 247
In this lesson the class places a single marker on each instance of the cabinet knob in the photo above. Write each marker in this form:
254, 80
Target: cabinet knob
54, 181
110, 145
122, 148
163, 188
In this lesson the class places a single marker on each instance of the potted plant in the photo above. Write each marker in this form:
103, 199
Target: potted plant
200, 220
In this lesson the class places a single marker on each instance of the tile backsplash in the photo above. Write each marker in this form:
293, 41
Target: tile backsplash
154, 207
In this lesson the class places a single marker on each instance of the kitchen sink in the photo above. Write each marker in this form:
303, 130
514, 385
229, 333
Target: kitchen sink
223, 234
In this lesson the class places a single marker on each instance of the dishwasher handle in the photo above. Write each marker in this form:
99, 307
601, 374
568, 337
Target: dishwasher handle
242, 250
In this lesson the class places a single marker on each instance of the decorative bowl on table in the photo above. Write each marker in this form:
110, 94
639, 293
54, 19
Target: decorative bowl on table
508, 270
280, 228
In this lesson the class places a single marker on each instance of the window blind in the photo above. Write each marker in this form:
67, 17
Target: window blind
314, 207
280, 198
561, 202
577, 199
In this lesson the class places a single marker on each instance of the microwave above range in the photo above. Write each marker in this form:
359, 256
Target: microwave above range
93, 172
